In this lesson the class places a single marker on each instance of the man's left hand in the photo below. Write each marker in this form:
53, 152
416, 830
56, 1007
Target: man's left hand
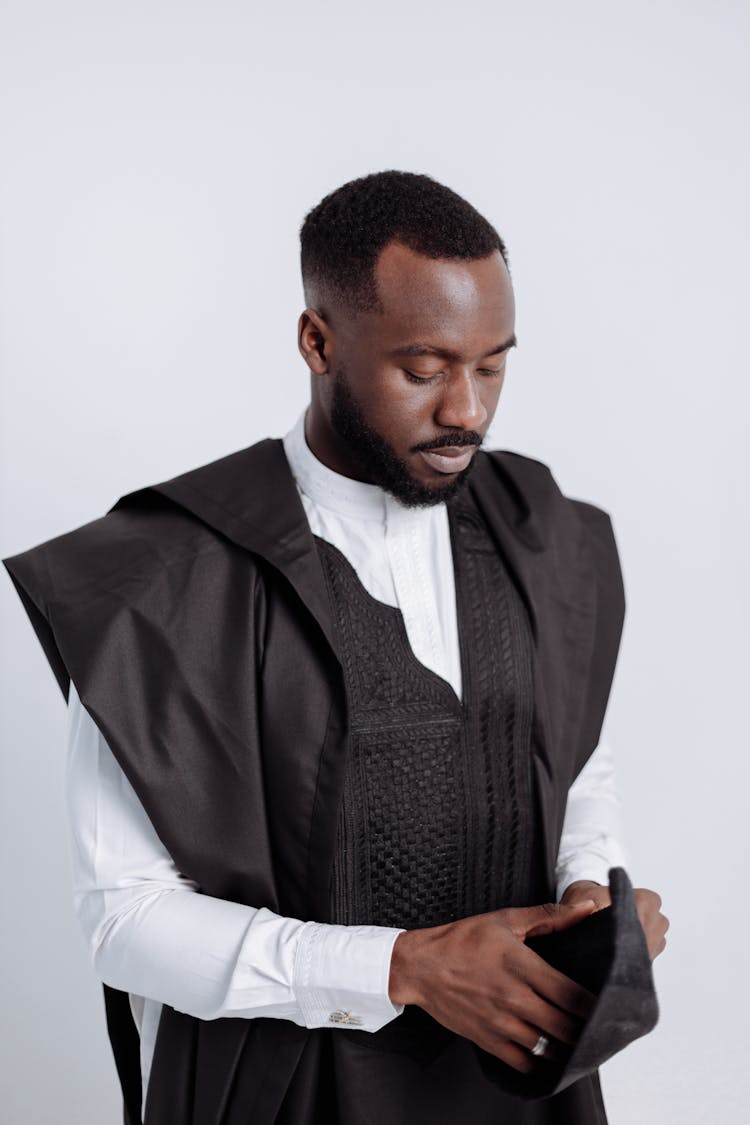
647, 903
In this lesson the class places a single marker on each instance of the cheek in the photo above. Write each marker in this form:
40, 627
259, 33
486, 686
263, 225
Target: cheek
390, 396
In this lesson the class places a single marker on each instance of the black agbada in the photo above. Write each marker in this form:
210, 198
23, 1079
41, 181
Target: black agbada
194, 619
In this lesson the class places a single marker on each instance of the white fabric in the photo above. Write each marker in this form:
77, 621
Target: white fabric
150, 934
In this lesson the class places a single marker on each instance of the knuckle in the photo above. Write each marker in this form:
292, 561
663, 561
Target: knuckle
503, 1025
514, 1000
647, 897
514, 973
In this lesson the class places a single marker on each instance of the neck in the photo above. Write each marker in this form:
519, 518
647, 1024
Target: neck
328, 447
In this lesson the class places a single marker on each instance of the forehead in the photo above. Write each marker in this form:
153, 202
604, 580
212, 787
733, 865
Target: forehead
449, 300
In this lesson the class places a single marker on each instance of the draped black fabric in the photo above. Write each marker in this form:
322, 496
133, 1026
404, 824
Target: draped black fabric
437, 822
195, 621
340, 1082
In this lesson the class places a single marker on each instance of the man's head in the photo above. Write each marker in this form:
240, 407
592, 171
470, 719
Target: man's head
410, 316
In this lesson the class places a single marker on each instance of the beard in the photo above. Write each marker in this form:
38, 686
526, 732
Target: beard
377, 459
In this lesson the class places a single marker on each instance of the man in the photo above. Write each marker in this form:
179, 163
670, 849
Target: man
334, 712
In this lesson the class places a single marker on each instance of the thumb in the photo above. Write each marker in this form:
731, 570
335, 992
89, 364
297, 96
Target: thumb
551, 916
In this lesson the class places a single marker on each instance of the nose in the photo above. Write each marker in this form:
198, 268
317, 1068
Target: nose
461, 406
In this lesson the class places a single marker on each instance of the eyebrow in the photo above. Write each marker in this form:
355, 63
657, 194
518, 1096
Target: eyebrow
445, 353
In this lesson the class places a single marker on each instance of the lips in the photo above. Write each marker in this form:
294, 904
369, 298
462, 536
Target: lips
449, 459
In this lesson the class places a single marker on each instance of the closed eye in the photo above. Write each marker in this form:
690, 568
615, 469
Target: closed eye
421, 378
487, 372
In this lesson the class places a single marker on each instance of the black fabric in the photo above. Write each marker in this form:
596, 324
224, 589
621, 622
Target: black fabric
121, 1026
606, 953
437, 1078
497, 660
437, 814
436, 824
194, 620
341, 1082
403, 825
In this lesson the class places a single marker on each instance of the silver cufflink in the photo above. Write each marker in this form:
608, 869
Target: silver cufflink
340, 1016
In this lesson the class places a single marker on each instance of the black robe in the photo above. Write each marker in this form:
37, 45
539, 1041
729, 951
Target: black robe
193, 619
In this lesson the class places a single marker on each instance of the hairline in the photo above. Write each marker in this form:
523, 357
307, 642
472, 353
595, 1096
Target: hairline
336, 298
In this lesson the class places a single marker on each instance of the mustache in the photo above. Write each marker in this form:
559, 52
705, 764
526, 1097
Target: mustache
462, 437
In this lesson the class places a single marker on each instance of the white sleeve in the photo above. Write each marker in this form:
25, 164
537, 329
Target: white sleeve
152, 933
592, 832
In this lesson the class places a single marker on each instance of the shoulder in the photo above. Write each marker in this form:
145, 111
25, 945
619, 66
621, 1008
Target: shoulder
132, 572
576, 536
572, 531
117, 553
537, 496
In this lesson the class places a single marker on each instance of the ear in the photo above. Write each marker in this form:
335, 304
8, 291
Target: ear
314, 338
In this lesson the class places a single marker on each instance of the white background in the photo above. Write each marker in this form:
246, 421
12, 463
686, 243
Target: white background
157, 161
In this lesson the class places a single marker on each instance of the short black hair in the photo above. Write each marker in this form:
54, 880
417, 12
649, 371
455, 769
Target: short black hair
342, 237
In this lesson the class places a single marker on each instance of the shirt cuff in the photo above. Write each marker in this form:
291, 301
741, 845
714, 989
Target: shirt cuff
591, 862
341, 975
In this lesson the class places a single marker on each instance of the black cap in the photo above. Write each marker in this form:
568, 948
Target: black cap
606, 953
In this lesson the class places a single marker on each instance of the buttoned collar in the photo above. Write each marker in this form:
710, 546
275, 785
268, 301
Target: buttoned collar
352, 499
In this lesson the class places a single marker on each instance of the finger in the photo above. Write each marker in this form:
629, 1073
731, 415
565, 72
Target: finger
510, 1053
643, 895
657, 939
654, 929
526, 1035
575, 894
518, 1055
602, 900
537, 1012
533, 921
555, 987
648, 906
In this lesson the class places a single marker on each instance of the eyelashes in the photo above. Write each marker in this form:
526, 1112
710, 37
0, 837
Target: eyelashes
419, 378
486, 372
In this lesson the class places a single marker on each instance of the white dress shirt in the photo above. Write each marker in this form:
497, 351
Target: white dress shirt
149, 931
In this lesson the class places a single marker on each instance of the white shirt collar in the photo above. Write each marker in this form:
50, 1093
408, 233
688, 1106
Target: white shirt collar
347, 497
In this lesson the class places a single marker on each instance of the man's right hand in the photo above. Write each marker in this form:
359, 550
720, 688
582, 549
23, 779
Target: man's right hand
478, 978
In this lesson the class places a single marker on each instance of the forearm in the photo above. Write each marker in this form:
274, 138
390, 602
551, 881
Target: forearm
592, 836
151, 932
197, 954
211, 958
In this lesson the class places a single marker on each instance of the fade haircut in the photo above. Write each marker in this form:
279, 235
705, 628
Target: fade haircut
342, 237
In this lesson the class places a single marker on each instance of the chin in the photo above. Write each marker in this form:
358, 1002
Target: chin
415, 492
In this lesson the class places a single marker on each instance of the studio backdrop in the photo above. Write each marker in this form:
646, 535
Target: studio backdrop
157, 160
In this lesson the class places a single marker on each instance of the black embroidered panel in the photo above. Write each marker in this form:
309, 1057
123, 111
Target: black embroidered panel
436, 819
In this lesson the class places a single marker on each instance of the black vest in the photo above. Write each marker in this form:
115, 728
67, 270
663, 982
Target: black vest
437, 822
